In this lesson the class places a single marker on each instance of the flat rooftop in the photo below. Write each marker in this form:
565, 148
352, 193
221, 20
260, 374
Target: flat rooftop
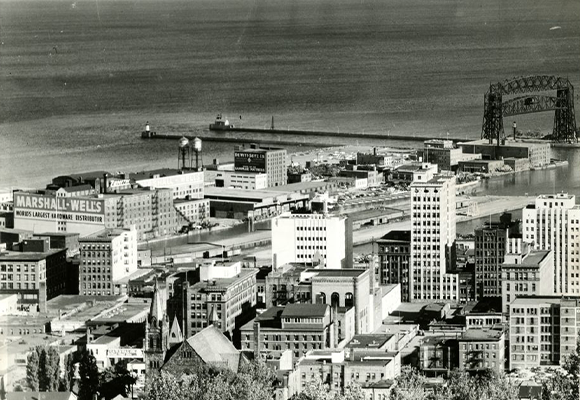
508, 143
369, 341
224, 283
161, 172
300, 186
538, 300
481, 334
305, 310
246, 194
338, 272
28, 255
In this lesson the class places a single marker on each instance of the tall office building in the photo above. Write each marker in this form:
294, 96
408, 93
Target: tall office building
490, 250
433, 239
553, 223
107, 259
394, 255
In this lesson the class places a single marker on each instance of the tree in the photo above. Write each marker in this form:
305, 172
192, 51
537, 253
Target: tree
88, 376
165, 386
32, 371
115, 380
564, 385
66, 383
410, 385
52, 369
43, 369
255, 381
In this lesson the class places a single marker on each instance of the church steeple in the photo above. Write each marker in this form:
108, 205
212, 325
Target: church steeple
156, 312
156, 341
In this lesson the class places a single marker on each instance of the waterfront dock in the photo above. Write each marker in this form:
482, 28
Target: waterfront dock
357, 135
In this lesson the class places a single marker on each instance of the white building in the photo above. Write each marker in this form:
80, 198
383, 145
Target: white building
183, 183
432, 238
237, 179
304, 238
553, 223
106, 259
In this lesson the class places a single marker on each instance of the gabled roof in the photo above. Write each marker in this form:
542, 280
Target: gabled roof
214, 348
175, 334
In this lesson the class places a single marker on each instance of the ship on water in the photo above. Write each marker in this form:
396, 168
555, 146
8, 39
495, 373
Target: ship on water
220, 124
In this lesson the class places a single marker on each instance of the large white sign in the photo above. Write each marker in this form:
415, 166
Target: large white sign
48, 208
125, 353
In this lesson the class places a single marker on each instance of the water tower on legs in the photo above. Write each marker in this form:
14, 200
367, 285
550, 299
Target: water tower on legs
197, 151
183, 154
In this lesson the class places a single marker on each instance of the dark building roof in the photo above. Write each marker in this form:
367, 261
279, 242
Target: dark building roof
305, 310
403, 236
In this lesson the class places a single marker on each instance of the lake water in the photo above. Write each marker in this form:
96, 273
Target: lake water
79, 79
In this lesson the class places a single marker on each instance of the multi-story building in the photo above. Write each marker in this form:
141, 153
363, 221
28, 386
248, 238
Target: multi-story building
553, 223
408, 173
543, 329
438, 355
432, 239
107, 258
223, 296
191, 211
183, 183
480, 349
444, 154
527, 274
151, 211
268, 160
305, 238
473, 350
344, 288
394, 256
339, 370
236, 179
490, 249
296, 327
34, 276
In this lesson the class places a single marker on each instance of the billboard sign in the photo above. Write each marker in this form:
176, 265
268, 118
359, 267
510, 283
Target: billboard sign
48, 208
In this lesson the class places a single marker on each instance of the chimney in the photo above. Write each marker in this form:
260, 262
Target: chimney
334, 311
257, 340
105, 183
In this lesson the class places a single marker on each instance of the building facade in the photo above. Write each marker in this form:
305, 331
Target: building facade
433, 239
35, 277
491, 242
529, 274
271, 161
543, 329
296, 327
304, 238
151, 211
182, 183
481, 349
106, 259
394, 257
223, 296
553, 223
